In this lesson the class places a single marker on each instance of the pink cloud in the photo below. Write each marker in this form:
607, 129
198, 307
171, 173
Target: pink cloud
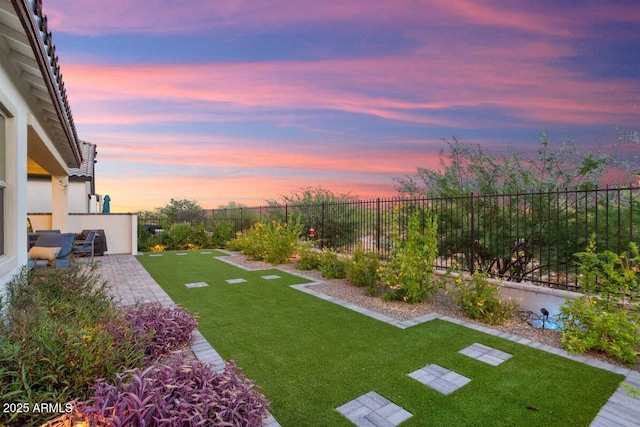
147, 193
414, 88
223, 153
158, 16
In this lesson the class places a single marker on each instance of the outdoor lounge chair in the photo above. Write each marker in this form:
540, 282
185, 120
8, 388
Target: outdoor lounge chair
86, 246
51, 249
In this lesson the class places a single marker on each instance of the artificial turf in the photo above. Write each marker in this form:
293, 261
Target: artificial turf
309, 356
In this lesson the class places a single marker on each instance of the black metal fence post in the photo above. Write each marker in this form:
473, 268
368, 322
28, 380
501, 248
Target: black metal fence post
378, 224
322, 237
473, 235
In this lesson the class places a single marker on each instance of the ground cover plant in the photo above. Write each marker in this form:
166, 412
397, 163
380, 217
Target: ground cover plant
310, 356
55, 339
61, 331
179, 393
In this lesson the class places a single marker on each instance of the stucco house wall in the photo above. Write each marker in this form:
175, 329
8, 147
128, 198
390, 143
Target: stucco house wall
15, 113
39, 196
36, 128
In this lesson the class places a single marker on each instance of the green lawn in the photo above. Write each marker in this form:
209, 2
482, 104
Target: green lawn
309, 356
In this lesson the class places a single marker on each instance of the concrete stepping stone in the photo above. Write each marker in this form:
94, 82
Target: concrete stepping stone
270, 277
234, 281
196, 285
182, 253
373, 410
486, 354
205, 253
155, 255
440, 379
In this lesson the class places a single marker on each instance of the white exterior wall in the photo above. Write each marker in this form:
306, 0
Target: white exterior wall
15, 202
79, 197
39, 196
121, 230
59, 202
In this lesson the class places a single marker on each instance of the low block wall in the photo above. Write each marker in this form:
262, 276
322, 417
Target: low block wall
531, 297
121, 230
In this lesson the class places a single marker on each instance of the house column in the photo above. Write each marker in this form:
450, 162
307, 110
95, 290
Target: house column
59, 203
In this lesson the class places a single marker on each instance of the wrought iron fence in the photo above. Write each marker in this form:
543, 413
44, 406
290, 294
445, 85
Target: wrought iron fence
528, 237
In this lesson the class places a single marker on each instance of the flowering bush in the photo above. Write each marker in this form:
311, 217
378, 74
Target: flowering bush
250, 242
178, 394
157, 248
274, 242
408, 273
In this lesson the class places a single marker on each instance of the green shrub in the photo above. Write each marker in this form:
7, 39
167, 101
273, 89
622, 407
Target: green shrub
408, 273
602, 319
282, 241
331, 265
239, 241
251, 242
481, 300
146, 239
362, 269
309, 257
185, 236
613, 277
587, 326
60, 332
222, 233
55, 339
274, 242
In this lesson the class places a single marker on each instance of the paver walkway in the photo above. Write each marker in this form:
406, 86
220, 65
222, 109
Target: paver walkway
440, 379
486, 354
373, 410
131, 283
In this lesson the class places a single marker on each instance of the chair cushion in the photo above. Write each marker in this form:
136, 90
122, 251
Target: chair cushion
66, 244
44, 252
49, 240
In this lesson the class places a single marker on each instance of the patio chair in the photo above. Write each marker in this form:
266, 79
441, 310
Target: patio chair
86, 246
51, 249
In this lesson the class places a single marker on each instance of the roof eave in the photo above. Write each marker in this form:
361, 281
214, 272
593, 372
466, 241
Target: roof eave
26, 12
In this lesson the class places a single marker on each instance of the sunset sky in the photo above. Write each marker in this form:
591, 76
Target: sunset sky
248, 100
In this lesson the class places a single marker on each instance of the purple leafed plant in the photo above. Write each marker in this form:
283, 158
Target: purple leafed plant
178, 394
159, 329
